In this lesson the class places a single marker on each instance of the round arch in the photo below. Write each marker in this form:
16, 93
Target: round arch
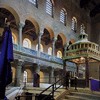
50, 31
63, 38
35, 23
27, 43
14, 38
74, 18
14, 13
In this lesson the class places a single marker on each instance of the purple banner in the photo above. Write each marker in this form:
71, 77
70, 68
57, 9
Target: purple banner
95, 85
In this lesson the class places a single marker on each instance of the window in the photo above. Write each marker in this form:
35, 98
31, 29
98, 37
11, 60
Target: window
74, 24
14, 38
41, 48
63, 16
25, 76
34, 2
59, 54
49, 7
50, 51
82, 29
26, 43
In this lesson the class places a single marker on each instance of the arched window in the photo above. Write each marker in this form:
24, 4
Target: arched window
59, 54
74, 24
25, 76
41, 47
50, 51
82, 29
14, 38
26, 43
34, 2
63, 15
49, 7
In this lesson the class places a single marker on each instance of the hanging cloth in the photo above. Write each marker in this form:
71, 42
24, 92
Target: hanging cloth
6, 56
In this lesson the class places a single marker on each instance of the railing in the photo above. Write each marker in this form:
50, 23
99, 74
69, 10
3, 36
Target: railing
53, 88
29, 51
29, 81
58, 60
34, 53
15, 47
45, 56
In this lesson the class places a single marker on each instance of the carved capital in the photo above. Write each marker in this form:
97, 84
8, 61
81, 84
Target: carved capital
21, 25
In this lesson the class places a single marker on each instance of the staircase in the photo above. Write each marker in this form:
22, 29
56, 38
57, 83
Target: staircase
11, 92
82, 95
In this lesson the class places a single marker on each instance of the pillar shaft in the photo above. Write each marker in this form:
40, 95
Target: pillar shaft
21, 25
18, 73
51, 76
87, 72
53, 46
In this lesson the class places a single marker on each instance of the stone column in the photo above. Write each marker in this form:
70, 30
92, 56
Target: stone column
77, 70
51, 75
53, 46
39, 42
18, 72
65, 49
37, 70
87, 72
36, 76
21, 25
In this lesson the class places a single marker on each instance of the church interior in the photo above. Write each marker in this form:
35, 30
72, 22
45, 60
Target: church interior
50, 38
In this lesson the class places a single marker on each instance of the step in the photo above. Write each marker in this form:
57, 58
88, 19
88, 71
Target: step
87, 95
69, 97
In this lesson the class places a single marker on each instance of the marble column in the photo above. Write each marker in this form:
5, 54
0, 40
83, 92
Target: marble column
36, 76
53, 46
65, 49
37, 70
51, 75
21, 25
18, 72
39, 42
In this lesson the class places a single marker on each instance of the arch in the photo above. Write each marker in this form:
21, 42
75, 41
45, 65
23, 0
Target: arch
50, 31
41, 47
59, 54
13, 73
49, 7
42, 76
14, 39
27, 43
82, 28
63, 15
25, 76
52, 1
35, 23
63, 38
50, 51
74, 24
14, 13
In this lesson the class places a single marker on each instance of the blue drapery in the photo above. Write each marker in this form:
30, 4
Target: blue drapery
6, 56
95, 85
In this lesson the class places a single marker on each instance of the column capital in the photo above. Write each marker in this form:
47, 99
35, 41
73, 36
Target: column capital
65, 46
19, 62
21, 24
40, 34
54, 39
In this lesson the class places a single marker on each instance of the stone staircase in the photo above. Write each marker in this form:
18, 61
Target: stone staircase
11, 92
82, 95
